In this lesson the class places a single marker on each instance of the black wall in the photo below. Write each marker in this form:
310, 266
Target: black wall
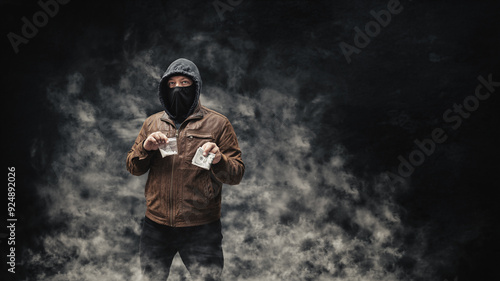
324, 137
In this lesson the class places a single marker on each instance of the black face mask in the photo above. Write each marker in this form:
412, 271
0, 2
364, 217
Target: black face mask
179, 100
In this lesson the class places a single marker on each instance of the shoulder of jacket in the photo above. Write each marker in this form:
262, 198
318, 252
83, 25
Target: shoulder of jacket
213, 113
154, 117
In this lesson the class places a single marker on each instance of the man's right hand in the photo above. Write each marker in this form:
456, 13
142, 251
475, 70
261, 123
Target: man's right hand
155, 140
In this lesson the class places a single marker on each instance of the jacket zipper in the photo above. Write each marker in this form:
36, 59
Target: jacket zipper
172, 186
172, 175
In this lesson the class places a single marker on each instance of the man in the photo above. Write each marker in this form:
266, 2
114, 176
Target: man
184, 200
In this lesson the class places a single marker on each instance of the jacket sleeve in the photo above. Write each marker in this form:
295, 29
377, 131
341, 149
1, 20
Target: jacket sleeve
230, 168
138, 159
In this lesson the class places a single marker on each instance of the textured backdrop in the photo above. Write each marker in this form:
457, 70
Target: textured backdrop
370, 154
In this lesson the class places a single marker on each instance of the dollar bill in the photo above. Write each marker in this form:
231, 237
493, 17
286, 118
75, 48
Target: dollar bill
202, 161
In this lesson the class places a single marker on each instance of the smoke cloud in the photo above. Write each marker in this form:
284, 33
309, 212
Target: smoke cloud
318, 139
292, 217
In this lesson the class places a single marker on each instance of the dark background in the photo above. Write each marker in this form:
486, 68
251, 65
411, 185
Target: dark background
319, 136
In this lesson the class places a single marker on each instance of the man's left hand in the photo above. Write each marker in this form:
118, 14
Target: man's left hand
212, 147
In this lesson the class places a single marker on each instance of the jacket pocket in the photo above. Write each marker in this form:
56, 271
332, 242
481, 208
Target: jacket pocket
197, 192
199, 137
210, 190
193, 141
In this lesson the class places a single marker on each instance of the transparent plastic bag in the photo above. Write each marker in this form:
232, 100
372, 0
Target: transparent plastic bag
169, 148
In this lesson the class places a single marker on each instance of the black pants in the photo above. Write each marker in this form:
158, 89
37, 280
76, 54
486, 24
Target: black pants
200, 248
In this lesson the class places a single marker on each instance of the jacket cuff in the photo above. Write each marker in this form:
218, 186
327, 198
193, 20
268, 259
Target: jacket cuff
219, 170
142, 152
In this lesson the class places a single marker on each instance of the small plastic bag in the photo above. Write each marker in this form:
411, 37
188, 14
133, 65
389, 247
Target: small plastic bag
169, 148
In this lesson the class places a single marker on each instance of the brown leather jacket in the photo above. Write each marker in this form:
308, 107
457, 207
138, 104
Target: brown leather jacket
178, 193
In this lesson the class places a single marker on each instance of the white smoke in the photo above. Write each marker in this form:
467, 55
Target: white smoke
289, 219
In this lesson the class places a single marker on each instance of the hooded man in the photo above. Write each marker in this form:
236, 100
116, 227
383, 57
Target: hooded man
183, 200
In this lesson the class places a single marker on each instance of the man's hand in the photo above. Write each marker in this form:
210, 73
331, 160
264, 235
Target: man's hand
212, 147
155, 140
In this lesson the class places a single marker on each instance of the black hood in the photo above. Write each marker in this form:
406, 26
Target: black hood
180, 67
